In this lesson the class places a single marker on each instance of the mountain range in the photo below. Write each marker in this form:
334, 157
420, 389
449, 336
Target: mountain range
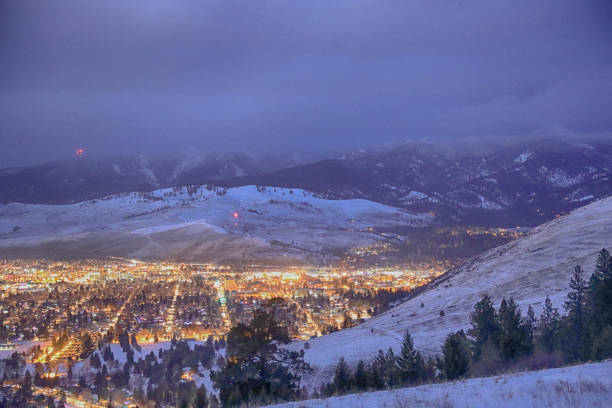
503, 184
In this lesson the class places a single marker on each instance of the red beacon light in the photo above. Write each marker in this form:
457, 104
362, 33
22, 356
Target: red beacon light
235, 215
79, 152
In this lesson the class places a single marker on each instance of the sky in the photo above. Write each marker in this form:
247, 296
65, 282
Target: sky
146, 77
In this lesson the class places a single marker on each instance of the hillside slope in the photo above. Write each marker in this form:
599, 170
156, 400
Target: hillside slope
203, 224
587, 385
527, 269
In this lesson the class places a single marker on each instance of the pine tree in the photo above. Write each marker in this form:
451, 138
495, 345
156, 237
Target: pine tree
391, 373
603, 268
514, 338
485, 327
361, 376
26, 385
599, 320
549, 327
87, 345
94, 360
342, 378
410, 362
530, 324
376, 380
574, 339
456, 355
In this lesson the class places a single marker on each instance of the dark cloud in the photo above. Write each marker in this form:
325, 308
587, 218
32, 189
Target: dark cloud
149, 76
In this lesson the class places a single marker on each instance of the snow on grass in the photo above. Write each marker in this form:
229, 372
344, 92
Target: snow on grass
167, 227
527, 269
172, 222
587, 385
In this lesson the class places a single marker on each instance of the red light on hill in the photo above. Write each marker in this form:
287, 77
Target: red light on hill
79, 152
235, 215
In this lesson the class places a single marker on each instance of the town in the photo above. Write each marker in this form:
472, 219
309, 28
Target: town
54, 315
44, 301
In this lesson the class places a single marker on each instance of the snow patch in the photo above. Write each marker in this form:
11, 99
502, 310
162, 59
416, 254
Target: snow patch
170, 227
560, 178
523, 157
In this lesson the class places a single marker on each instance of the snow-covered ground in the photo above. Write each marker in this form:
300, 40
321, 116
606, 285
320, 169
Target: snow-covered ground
22, 347
527, 269
588, 385
210, 224
201, 377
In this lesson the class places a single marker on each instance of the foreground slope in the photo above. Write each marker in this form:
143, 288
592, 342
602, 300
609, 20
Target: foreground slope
587, 385
198, 224
527, 269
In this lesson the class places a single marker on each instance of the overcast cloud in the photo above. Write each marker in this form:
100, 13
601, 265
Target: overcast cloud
131, 77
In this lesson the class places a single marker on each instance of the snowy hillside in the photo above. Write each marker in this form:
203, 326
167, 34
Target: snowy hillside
198, 224
528, 269
588, 385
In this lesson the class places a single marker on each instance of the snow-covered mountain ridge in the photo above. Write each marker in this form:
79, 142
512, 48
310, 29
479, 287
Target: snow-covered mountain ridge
520, 182
527, 269
198, 223
524, 183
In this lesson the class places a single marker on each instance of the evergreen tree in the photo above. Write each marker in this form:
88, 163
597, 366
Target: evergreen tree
376, 379
87, 345
126, 373
514, 337
94, 360
456, 355
599, 320
392, 374
530, 324
256, 369
575, 344
410, 362
602, 344
361, 376
342, 377
26, 385
549, 328
485, 327
603, 268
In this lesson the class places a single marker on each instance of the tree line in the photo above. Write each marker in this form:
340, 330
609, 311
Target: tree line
500, 340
